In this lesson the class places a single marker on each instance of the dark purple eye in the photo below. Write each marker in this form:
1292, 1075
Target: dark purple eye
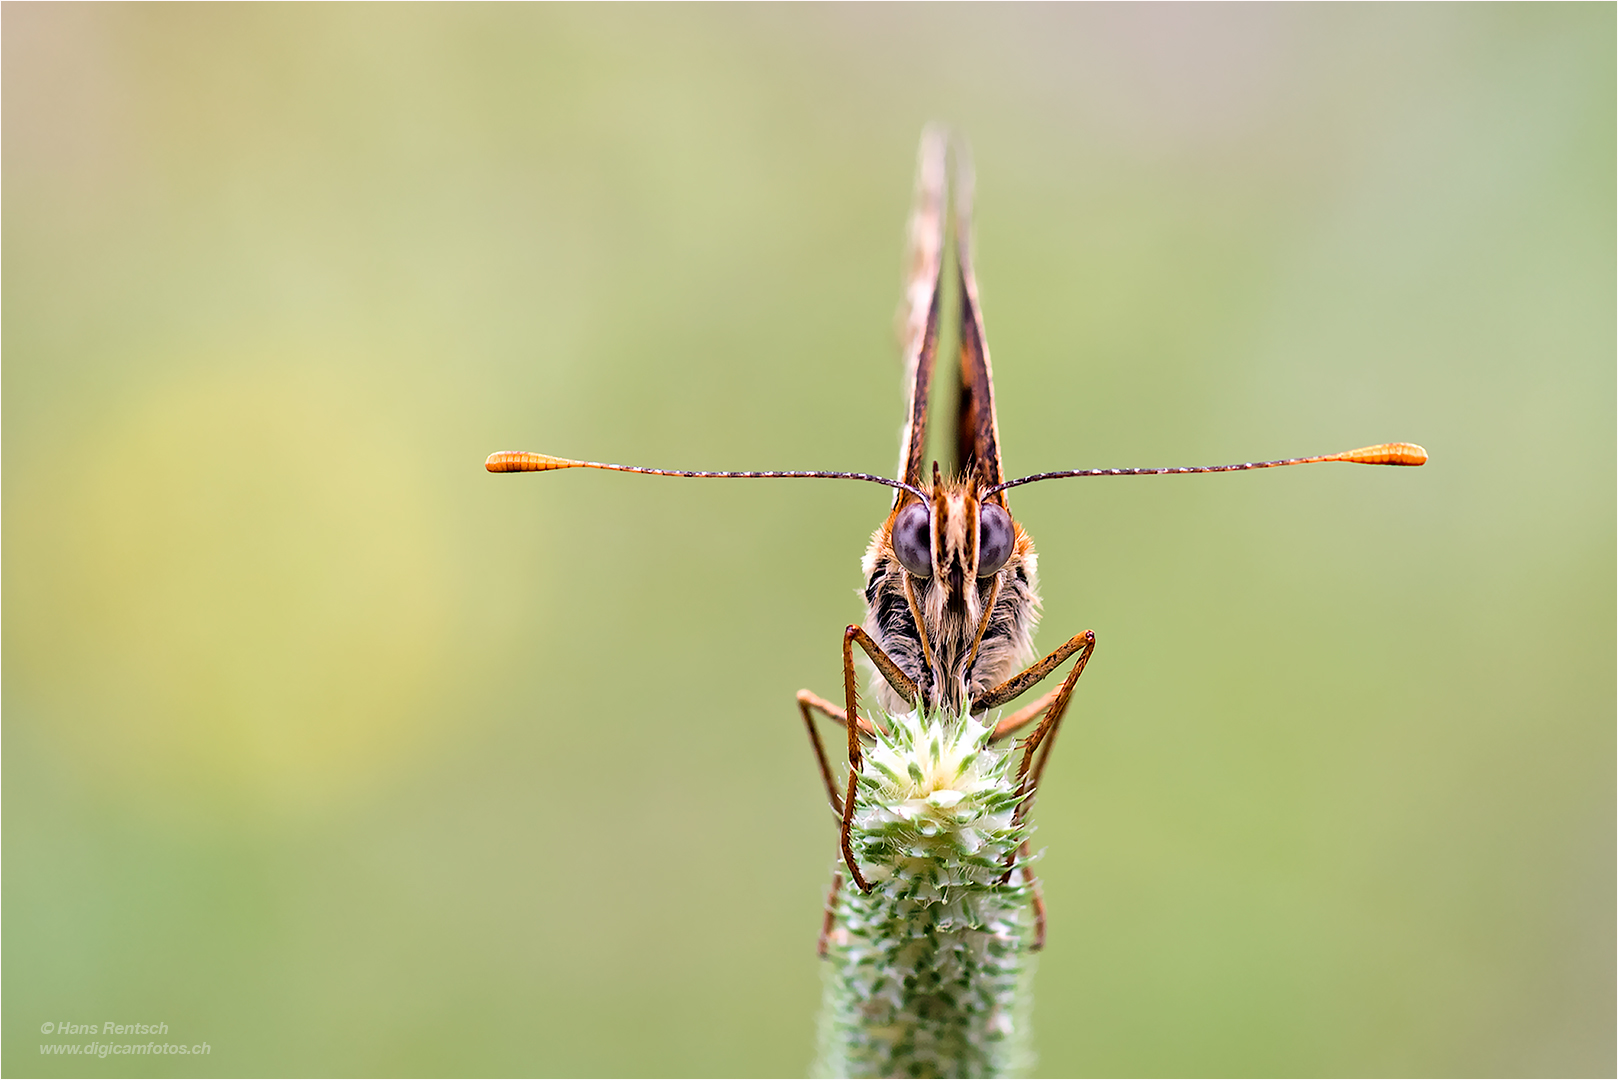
995, 537
912, 541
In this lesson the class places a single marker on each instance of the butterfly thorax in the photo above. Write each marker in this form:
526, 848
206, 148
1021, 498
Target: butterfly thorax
954, 629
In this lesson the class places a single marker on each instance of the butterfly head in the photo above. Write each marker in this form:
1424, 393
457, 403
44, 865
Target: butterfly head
955, 538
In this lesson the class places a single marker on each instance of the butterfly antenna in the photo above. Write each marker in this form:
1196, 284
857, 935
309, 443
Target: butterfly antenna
524, 461
1401, 453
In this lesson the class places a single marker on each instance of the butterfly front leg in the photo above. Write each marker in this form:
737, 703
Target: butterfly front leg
1054, 705
1038, 900
1017, 720
830, 918
1014, 686
1023, 716
1036, 753
809, 703
906, 688
808, 700
1044, 736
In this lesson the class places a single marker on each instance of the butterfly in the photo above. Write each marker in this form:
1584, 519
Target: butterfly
951, 585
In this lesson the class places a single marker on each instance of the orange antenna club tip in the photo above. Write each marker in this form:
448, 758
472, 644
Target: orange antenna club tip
1393, 453
523, 461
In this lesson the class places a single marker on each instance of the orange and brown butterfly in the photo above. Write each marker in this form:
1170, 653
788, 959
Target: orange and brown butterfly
951, 583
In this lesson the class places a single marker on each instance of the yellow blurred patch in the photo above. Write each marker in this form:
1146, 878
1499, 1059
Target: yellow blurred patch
235, 592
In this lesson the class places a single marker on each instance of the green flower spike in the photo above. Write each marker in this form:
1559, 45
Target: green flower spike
924, 972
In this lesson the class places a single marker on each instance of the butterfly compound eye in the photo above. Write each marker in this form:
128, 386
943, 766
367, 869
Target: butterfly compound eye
995, 537
912, 541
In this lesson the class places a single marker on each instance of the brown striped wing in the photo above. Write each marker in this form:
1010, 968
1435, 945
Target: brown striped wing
921, 305
977, 437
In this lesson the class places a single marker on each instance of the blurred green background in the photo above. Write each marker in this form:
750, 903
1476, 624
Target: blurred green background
325, 747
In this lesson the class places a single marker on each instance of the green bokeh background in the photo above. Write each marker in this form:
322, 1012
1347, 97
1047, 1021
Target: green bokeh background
325, 747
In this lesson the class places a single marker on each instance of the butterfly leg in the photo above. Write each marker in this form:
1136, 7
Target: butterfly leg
999, 695
1044, 736
901, 682
1023, 716
807, 701
1039, 900
1037, 747
830, 920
